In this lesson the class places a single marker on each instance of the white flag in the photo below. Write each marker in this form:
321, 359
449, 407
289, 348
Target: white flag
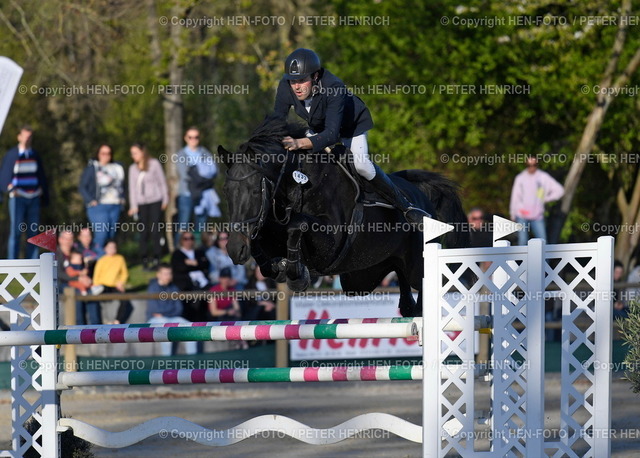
10, 74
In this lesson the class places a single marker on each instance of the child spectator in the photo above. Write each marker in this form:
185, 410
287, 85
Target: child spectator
83, 308
88, 249
76, 268
167, 310
111, 274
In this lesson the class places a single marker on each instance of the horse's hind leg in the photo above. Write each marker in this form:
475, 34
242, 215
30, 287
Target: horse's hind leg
407, 304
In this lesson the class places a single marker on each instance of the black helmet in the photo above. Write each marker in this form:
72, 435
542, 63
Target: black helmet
300, 64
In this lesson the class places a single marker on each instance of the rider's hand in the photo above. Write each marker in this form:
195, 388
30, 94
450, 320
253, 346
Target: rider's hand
290, 144
293, 144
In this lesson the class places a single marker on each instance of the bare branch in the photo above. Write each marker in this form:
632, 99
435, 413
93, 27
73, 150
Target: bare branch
17, 34
43, 55
618, 45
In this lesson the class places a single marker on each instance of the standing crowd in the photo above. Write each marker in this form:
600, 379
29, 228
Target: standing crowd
89, 261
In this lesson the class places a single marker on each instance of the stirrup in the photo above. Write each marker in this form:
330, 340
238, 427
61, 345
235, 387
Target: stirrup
414, 215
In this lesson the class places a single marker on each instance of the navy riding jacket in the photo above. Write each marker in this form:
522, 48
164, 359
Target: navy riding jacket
335, 112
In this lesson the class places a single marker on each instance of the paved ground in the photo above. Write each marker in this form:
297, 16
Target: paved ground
319, 405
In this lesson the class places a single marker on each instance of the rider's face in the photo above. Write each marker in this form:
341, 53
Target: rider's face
301, 88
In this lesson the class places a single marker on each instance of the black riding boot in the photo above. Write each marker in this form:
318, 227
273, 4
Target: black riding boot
392, 194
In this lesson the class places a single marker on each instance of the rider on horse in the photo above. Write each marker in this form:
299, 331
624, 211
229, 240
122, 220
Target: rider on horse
333, 114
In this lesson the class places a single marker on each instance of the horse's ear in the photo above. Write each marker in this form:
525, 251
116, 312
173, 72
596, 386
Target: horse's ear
225, 156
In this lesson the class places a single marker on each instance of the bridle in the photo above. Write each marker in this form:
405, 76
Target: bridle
267, 190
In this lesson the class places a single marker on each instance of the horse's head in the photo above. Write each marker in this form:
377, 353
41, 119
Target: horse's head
248, 193
252, 177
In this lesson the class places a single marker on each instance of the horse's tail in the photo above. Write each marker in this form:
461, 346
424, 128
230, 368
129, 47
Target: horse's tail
445, 197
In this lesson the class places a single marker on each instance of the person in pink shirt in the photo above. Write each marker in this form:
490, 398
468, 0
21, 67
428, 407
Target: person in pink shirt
532, 189
148, 198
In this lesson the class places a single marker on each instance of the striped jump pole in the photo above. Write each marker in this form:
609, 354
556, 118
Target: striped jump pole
389, 328
251, 375
191, 324
482, 323
108, 334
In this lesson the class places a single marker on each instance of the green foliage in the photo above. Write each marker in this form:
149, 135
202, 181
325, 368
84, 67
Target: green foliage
630, 331
483, 133
437, 88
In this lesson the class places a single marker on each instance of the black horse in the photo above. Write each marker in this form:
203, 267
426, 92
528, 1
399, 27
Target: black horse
299, 212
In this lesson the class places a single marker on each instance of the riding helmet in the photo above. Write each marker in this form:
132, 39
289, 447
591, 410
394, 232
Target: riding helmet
300, 64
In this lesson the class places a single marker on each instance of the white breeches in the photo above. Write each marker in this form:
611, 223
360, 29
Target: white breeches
360, 150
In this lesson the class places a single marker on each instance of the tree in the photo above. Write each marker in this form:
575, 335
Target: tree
172, 106
594, 124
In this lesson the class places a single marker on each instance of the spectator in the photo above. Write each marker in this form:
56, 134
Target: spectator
219, 259
110, 275
83, 308
262, 307
196, 171
169, 310
189, 266
88, 249
532, 188
633, 294
207, 240
102, 189
148, 198
22, 176
76, 268
223, 306
620, 307
390, 280
479, 235
63, 251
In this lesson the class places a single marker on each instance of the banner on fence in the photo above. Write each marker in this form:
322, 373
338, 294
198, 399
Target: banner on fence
340, 306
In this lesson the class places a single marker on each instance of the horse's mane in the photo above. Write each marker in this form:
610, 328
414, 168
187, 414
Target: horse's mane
267, 137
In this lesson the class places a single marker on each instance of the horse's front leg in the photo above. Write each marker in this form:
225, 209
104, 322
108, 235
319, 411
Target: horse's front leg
298, 278
270, 267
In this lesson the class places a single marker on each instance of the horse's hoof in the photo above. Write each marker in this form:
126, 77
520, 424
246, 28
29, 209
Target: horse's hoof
410, 311
281, 269
301, 283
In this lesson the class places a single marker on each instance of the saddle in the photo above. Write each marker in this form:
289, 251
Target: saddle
365, 197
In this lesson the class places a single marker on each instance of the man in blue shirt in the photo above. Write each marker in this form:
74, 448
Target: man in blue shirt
23, 178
